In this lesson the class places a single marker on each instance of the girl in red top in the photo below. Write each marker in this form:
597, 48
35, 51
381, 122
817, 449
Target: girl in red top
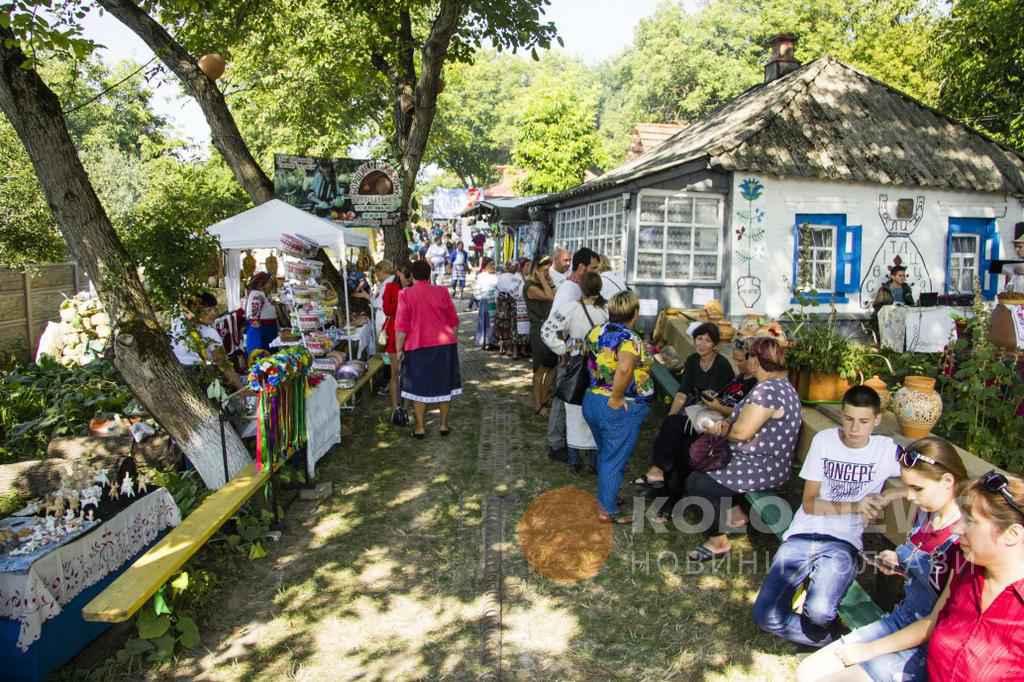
973, 633
401, 280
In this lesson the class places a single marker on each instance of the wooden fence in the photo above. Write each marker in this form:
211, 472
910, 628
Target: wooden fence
29, 300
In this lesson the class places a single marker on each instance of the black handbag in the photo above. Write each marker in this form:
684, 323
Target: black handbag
576, 377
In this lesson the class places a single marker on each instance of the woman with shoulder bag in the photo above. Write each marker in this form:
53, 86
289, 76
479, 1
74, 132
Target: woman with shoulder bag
565, 335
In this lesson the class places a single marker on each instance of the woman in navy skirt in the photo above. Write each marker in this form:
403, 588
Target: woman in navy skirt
428, 351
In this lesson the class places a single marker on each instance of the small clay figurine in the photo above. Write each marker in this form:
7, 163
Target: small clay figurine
102, 478
142, 485
127, 486
91, 496
72, 498
115, 492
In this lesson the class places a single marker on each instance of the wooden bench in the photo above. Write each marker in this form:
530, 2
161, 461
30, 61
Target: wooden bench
347, 395
133, 588
664, 380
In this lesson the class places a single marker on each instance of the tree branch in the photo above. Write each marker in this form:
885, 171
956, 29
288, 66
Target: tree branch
224, 132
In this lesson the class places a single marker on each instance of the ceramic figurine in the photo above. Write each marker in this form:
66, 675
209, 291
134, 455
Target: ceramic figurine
102, 478
127, 486
115, 492
91, 496
88, 515
142, 485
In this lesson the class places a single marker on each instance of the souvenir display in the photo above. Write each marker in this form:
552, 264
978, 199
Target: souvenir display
280, 381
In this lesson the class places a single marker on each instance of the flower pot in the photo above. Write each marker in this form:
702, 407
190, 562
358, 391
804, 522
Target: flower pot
825, 387
881, 389
917, 406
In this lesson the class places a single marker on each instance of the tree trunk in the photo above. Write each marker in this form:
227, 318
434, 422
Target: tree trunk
141, 350
223, 130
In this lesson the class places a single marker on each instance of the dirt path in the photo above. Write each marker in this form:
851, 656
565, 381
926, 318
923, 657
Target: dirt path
411, 570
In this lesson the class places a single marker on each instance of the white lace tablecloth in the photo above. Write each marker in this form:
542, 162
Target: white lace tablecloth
58, 577
323, 422
892, 327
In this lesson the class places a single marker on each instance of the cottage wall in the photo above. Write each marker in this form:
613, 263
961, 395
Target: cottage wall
763, 243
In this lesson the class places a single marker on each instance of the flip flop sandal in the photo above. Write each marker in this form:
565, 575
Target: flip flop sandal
702, 553
736, 530
649, 483
618, 519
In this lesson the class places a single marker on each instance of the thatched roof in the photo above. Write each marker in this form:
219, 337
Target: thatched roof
829, 121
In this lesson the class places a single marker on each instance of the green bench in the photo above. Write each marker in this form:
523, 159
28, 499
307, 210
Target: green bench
857, 608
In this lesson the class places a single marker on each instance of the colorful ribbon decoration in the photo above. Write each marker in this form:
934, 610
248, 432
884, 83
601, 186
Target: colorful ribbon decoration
281, 381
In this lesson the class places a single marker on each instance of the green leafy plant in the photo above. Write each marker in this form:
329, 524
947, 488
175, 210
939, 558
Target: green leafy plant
250, 527
184, 486
981, 390
161, 626
45, 401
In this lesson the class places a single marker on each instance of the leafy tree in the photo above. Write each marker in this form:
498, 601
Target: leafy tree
558, 139
981, 64
27, 232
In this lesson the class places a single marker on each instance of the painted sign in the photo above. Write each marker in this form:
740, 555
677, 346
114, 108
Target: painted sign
354, 192
898, 248
750, 234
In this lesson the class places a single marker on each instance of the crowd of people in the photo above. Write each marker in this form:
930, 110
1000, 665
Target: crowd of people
730, 432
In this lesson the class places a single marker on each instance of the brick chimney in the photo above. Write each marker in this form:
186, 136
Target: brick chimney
782, 60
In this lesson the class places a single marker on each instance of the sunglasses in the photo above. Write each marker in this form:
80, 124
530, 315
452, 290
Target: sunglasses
995, 482
908, 458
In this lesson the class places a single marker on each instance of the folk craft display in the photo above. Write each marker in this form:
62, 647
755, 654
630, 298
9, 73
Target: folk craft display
281, 383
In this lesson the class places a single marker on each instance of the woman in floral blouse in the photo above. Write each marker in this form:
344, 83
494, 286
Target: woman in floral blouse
619, 397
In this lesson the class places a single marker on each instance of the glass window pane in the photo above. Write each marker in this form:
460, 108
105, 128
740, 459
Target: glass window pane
823, 276
648, 265
705, 267
680, 210
652, 237
705, 239
678, 239
652, 210
707, 211
963, 244
821, 238
677, 266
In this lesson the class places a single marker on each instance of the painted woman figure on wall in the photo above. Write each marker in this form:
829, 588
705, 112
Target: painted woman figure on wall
898, 248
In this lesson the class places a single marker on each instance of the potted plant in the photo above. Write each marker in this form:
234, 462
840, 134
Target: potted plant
822, 356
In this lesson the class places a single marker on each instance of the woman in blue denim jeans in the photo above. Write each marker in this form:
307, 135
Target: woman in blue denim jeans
932, 471
619, 397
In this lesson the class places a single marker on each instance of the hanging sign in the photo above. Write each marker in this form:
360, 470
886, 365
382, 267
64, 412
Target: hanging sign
354, 192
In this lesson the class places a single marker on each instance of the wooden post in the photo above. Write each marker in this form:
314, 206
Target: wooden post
30, 332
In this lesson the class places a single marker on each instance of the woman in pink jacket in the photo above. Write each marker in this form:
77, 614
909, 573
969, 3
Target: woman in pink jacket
427, 329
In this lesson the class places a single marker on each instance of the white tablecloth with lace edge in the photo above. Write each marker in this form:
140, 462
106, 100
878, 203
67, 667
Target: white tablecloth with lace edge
55, 579
323, 422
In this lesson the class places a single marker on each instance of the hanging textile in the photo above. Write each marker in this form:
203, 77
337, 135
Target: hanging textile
281, 381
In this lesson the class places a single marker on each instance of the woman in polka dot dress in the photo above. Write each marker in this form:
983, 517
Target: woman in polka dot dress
762, 433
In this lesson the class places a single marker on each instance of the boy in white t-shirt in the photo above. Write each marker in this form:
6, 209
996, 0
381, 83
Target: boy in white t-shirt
845, 471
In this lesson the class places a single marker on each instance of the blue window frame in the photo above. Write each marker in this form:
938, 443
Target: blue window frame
826, 257
971, 244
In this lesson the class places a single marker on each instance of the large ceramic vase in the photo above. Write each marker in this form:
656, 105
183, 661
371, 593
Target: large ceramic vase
918, 406
826, 387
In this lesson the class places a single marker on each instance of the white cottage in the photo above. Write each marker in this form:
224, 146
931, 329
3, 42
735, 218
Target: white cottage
818, 179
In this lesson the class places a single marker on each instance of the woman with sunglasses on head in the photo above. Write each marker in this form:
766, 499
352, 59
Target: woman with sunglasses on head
973, 631
932, 473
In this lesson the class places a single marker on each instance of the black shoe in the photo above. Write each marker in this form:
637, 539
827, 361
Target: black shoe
561, 455
399, 417
577, 467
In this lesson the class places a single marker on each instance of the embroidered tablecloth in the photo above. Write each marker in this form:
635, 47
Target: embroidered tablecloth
55, 579
930, 329
323, 422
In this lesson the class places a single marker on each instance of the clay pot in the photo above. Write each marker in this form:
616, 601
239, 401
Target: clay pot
826, 387
725, 330
880, 388
212, 65
917, 406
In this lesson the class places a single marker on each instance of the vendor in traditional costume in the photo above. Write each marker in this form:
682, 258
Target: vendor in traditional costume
1013, 269
895, 290
260, 314
197, 345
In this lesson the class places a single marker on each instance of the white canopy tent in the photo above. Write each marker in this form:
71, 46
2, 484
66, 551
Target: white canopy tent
261, 227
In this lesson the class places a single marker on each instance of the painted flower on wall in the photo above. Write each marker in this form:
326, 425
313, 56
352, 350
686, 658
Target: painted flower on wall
751, 189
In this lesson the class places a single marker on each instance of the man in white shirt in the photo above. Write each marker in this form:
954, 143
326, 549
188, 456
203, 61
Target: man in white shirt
583, 261
560, 260
437, 256
845, 471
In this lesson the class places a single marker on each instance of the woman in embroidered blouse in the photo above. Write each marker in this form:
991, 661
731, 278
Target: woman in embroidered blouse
932, 472
485, 292
260, 314
619, 397
389, 307
973, 632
